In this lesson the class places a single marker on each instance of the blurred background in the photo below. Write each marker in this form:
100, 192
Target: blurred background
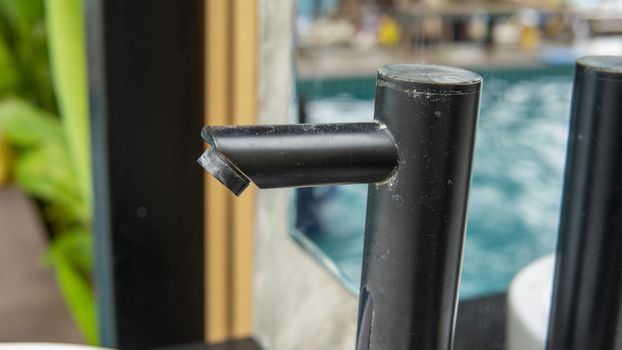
45, 197
525, 50
329, 52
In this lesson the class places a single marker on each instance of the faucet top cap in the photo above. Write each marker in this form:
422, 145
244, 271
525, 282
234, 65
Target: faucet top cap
604, 67
429, 78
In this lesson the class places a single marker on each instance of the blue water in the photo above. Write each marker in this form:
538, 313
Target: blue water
516, 189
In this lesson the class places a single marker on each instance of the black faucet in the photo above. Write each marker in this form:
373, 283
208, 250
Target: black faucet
416, 155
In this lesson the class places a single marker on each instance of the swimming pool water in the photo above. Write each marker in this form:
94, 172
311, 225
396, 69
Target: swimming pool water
515, 193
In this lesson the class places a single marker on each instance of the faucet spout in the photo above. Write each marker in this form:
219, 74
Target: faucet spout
289, 155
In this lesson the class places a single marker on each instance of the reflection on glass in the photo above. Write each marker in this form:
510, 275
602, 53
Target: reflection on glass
525, 50
516, 186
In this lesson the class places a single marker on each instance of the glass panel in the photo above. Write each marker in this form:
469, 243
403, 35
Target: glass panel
525, 53
517, 174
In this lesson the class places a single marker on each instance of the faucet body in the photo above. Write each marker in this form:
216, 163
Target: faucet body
416, 221
417, 157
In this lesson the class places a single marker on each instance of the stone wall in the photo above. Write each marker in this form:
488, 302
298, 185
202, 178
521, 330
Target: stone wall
298, 304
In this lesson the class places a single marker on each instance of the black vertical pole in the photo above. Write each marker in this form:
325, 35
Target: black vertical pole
416, 220
146, 105
587, 294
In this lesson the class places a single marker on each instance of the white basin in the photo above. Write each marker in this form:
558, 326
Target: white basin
529, 301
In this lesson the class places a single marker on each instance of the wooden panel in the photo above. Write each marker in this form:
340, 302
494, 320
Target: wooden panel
244, 112
218, 201
231, 95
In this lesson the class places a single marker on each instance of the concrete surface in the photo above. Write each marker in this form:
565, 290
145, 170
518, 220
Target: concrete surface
298, 304
31, 307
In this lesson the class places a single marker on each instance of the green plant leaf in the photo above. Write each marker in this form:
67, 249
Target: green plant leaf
65, 27
43, 167
23, 53
45, 173
76, 246
9, 79
70, 254
25, 125
22, 15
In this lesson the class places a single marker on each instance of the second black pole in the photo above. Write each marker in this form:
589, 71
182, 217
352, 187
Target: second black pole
586, 311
